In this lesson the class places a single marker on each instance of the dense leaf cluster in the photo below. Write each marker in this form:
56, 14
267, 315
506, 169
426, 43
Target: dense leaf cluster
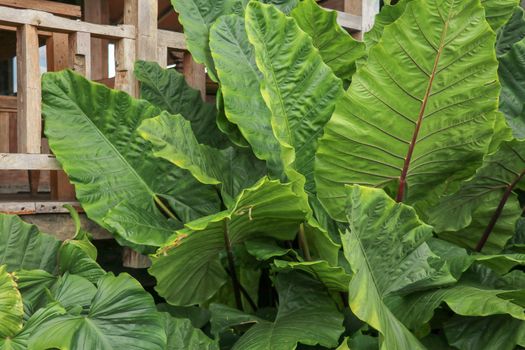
339, 194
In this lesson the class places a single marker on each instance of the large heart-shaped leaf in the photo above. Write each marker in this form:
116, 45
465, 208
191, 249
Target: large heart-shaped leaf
298, 87
172, 139
22, 246
302, 302
337, 48
11, 307
240, 85
486, 204
181, 335
121, 314
512, 32
512, 76
189, 269
168, 90
385, 246
498, 12
92, 131
420, 112
197, 16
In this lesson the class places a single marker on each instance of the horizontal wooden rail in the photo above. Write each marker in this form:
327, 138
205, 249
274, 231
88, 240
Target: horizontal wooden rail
36, 207
54, 7
349, 21
172, 40
22, 161
47, 21
8, 104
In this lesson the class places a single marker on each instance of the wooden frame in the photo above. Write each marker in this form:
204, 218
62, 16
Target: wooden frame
53, 7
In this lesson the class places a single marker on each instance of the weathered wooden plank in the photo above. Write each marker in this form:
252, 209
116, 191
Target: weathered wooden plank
143, 15
44, 20
29, 91
4, 132
172, 40
195, 74
125, 58
8, 104
97, 11
53, 7
80, 53
349, 21
162, 56
35, 207
25, 161
364, 11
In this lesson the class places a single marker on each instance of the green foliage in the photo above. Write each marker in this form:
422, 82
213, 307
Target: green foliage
260, 213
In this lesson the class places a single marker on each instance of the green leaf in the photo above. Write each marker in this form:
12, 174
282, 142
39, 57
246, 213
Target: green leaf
385, 246
197, 16
168, 90
11, 307
337, 48
240, 85
224, 317
498, 12
470, 333
298, 87
421, 111
121, 315
230, 129
265, 249
91, 130
267, 209
463, 217
512, 32
172, 139
22, 246
285, 6
181, 335
388, 14
303, 301
335, 278
512, 76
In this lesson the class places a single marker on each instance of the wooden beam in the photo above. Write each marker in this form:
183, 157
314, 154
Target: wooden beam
143, 15
53, 7
162, 56
4, 132
97, 11
365, 10
349, 21
172, 40
41, 33
8, 104
25, 161
195, 74
29, 93
80, 53
44, 20
125, 58
36, 207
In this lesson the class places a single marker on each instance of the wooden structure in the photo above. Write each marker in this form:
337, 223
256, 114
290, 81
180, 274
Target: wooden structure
78, 37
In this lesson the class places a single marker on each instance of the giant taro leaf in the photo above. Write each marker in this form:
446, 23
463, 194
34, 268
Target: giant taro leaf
420, 112
92, 131
307, 315
189, 269
168, 90
486, 204
172, 139
498, 12
337, 48
385, 246
121, 315
512, 32
197, 16
240, 85
298, 87
181, 335
512, 76
22, 246
11, 308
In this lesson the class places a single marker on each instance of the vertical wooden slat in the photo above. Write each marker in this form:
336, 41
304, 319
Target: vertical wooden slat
80, 53
4, 132
125, 58
13, 133
97, 11
28, 78
195, 74
162, 56
367, 9
57, 59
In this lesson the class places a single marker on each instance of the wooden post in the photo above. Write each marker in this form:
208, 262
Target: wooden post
29, 94
367, 9
162, 56
97, 11
195, 74
80, 53
57, 59
143, 15
4, 132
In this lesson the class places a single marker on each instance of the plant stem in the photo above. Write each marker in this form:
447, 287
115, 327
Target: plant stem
499, 210
245, 293
164, 208
303, 243
235, 282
